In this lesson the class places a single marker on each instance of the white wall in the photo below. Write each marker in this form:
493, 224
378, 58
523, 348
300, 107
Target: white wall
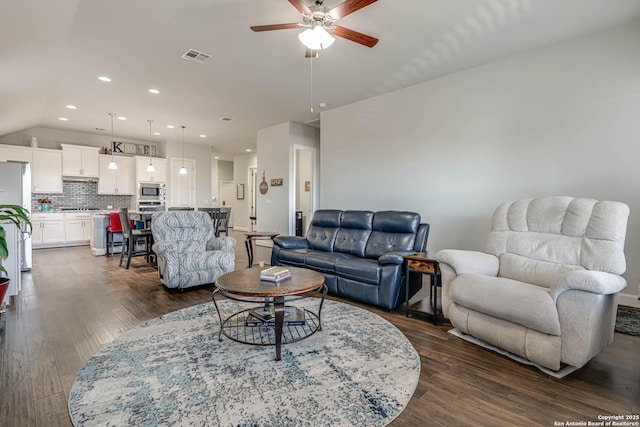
52, 138
276, 151
562, 120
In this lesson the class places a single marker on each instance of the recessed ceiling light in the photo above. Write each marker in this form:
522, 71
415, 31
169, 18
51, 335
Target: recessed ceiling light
203, 136
225, 119
104, 79
248, 150
64, 119
216, 157
156, 133
322, 104
170, 126
154, 91
71, 107
122, 118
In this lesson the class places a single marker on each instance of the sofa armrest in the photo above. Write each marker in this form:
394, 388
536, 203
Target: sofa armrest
393, 258
471, 262
164, 247
291, 242
221, 243
597, 282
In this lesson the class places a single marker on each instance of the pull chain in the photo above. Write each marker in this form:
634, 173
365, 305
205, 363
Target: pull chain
311, 88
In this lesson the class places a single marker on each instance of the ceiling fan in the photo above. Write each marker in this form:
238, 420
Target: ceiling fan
320, 23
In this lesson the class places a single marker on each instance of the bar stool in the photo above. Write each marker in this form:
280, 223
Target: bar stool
130, 237
114, 227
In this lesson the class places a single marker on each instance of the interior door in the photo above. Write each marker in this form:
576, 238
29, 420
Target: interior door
183, 187
228, 194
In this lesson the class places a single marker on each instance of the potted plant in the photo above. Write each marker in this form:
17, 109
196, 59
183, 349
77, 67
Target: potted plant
19, 216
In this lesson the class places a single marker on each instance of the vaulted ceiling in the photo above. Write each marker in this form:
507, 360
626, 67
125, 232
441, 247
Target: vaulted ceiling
52, 53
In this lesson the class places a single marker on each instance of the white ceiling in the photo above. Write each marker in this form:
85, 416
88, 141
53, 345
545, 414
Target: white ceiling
51, 53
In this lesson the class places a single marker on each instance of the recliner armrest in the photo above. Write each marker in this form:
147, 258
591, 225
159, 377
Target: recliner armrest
221, 243
164, 247
472, 262
291, 242
597, 282
393, 258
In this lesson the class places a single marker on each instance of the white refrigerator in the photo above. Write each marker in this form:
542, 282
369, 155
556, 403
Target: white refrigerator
15, 189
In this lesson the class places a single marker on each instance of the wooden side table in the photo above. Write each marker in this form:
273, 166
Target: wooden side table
256, 235
429, 307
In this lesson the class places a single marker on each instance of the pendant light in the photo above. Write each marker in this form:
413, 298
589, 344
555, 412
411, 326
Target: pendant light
112, 164
150, 167
183, 170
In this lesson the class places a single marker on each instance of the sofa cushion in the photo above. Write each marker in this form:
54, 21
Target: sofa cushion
392, 231
322, 232
528, 305
362, 269
355, 228
294, 256
325, 261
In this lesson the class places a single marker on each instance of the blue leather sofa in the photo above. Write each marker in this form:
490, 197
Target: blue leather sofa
360, 253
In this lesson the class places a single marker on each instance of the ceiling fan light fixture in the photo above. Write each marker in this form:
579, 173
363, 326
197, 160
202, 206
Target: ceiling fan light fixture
316, 38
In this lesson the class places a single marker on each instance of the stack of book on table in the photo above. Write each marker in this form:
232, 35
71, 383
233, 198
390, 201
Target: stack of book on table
265, 316
275, 274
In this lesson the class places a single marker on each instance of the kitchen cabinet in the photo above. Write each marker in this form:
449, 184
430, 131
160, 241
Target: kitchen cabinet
46, 170
77, 227
15, 153
116, 181
160, 174
48, 229
79, 161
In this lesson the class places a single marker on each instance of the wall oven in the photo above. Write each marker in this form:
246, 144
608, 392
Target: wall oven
151, 197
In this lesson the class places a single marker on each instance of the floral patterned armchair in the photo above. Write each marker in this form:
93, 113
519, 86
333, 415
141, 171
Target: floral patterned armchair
188, 254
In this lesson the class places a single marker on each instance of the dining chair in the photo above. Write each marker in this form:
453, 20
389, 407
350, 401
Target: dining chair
114, 227
131, 237
223, 222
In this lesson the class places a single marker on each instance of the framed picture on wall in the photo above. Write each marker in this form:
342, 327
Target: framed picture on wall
240, 192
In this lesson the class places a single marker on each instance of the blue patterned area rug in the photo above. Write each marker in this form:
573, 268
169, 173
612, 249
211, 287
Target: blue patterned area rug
172, 370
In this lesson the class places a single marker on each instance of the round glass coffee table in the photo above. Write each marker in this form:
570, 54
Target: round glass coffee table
272, 322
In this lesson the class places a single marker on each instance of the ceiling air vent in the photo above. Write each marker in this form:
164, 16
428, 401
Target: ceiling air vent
196, 56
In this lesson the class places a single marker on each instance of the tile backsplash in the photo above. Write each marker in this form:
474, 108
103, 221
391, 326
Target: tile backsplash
81, 194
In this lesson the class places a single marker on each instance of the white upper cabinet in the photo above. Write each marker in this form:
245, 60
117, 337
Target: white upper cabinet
46, 170
80, 161
15, 153
159, 176
116, 181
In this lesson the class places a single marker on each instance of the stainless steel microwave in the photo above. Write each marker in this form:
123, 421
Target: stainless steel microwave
151, 191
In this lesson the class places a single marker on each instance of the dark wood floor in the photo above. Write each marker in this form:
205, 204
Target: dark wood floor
73, 303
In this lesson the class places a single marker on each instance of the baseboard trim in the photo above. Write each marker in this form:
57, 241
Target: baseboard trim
629, 300
236, 228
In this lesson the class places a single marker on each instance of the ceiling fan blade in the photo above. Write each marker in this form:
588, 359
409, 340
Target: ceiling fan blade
302, 8
310, 53
348, 7
354, 36
272, 27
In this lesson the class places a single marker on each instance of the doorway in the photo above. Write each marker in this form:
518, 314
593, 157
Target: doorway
304, 189
228, 194
253, 198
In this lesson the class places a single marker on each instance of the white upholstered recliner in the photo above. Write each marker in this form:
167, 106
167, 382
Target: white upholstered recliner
546, 287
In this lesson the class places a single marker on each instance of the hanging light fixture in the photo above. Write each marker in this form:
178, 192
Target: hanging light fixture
316, 37
150, 167
112, 164
183, 170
